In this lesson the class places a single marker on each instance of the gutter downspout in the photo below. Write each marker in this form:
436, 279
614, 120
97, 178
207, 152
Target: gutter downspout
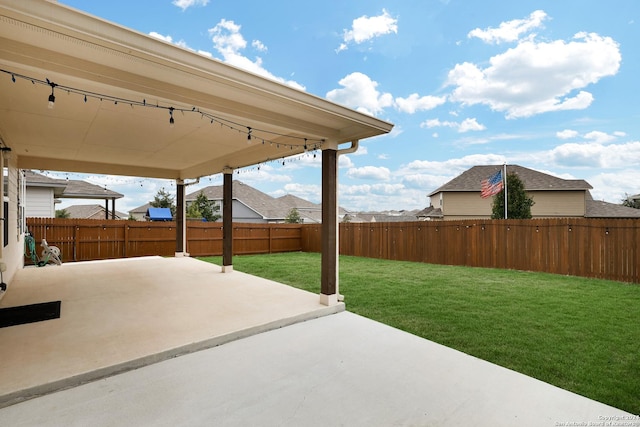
181, 216
352, 149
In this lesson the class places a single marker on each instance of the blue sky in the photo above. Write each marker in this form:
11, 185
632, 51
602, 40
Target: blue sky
549, 85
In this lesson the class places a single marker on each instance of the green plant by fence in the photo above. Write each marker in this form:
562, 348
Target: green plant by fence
85, 240
601, 248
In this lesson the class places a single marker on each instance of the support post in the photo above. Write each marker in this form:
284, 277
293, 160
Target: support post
106, 208
181, 225
329, 268
227, 221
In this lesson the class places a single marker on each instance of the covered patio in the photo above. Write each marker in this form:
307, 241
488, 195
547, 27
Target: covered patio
118, 315
80, 94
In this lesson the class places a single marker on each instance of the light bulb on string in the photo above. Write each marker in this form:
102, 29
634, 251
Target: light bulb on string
52, 97
171, 121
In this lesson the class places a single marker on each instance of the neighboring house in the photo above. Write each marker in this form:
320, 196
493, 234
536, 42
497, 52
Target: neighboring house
553, 196
430, 213
91, 212
42, 193
253, 206
140, 213
311, 213
634, 199
249, 204
385, 216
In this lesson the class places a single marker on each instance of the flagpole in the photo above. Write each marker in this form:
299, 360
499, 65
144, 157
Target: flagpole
505, 190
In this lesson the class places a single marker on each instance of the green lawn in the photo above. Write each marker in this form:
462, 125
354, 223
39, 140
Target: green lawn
579, 334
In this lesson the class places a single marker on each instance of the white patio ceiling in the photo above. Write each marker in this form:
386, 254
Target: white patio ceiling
43, 40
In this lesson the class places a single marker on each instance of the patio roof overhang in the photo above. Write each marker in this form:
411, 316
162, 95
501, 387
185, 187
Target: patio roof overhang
43, 40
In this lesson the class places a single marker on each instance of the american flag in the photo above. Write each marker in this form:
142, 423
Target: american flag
492, 185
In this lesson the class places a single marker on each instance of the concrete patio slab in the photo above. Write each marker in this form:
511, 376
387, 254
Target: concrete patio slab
336, 370
121, 314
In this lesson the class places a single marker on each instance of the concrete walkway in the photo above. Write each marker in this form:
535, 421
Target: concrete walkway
341, 369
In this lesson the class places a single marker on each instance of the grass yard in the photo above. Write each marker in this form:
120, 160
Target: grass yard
579, 334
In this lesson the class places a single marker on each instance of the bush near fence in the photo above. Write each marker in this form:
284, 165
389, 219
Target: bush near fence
86, 240
601, 248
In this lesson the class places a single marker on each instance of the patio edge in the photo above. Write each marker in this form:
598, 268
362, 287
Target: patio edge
16, 397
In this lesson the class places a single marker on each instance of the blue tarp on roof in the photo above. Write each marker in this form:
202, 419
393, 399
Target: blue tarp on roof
159, 214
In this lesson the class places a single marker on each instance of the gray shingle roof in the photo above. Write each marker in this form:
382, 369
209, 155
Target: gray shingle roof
430, 212
309, 211
71, 188
601, 209
260, 202
533, 180
89, 211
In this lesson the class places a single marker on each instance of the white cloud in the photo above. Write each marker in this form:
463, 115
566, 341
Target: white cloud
379, 173
469, 124
599, 137
614, 187
432, 123
567, 134
451, 167
537, 77
259, 46
180, 43
596, 155
185, 4
367, 28
167, 39
230, 43
510, 31
362, 151
359, 92
593, 136
416, 102
310, 192
344, 162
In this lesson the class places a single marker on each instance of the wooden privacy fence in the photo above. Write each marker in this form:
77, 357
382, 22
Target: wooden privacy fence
85, 239
602, 248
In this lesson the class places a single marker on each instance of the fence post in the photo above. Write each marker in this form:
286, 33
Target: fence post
126, 240
75, 242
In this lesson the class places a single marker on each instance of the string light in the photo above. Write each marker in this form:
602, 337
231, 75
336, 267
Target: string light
52, 97
299, 143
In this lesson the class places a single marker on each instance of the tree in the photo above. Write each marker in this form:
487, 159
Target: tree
631, 203
518, 203
163, 200
293, 217
193, 211
62, 213
202, 207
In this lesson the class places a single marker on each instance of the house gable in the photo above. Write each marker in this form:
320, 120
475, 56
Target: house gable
553, 196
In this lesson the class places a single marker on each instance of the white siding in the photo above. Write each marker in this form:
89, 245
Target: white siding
39, 203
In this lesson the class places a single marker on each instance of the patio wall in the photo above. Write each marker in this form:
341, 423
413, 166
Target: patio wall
85, 240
